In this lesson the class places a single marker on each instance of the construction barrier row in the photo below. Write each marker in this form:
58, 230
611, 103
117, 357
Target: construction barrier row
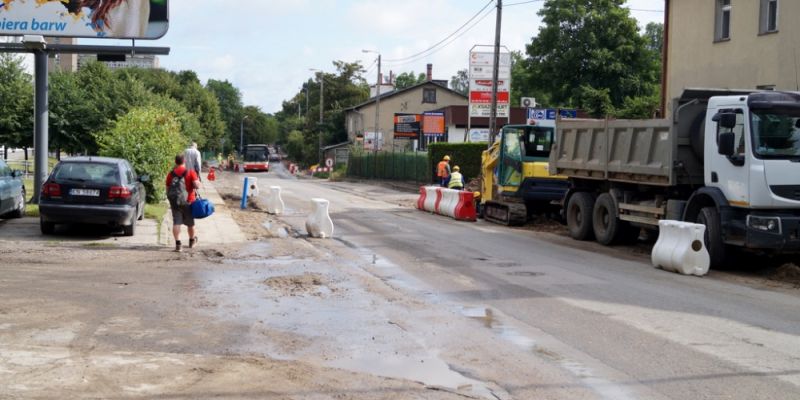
680, 248
456, 204
319, 223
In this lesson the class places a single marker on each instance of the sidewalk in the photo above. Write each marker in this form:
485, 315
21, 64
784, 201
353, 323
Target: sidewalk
219, 228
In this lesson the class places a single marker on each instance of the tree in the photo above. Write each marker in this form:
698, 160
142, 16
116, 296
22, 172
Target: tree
591, 44
408, 79
230, 104
460, 82
259, 128
16, 96
148, 137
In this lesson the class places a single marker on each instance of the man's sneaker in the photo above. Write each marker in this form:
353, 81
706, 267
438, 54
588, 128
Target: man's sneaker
192, 242
178, 246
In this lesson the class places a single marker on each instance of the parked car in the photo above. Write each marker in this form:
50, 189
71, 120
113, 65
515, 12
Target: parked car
12, 192
92, 190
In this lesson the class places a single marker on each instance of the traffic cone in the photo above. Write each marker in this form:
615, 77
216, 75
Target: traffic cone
211, 175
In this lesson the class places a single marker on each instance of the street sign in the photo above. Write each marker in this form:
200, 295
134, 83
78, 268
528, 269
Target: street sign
329, 163
537, 115
479, 135
113, 19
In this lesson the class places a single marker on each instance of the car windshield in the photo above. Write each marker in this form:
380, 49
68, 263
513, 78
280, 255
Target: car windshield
256, 154
776, 133
96, 173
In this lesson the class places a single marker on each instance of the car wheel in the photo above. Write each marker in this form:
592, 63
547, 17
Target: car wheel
130, 230
607, 226
579, 216
717, 249
20, 211
48, 228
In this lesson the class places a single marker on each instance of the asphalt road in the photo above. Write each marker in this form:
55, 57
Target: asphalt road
622, 328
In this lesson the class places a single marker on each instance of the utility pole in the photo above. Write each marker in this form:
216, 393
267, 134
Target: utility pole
241, 136
321, 115
378, 105
42, 112
496, 74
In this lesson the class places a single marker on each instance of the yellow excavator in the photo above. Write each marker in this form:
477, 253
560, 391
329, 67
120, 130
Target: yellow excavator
515, 182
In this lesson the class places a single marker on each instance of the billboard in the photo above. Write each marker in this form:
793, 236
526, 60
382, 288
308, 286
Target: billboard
114, 19
481, 71
407, 125
433, 124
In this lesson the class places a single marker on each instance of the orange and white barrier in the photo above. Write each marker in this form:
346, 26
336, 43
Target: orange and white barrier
456, 204
680, 248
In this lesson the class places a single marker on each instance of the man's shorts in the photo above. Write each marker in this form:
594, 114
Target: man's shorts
182, 215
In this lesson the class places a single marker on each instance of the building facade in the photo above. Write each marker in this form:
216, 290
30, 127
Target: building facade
731, 44
427, 96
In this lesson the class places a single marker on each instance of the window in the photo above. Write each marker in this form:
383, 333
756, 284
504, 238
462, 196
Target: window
768, 21
429, 96
723, 21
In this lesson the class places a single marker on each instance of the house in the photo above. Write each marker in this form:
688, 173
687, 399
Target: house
427, 96
456, 123
736, 44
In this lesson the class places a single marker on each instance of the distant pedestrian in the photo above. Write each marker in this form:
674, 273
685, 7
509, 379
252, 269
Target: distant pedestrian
443, 171
193, 158
219, 160
456, 180
182, 183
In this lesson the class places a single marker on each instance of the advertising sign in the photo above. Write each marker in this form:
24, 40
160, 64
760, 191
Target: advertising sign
550, 113
433, 124
481, 71
407, 125
114, 19
372, 141
479, 135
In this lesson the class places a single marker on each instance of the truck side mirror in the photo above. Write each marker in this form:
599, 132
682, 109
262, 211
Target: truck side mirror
725, 120
727, 143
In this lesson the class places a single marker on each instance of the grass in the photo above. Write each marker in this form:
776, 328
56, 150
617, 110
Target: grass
32, 210
156, 212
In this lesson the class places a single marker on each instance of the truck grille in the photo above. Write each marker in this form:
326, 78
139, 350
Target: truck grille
788, 191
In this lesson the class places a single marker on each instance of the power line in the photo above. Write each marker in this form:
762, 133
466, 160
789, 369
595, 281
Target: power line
522, 2
486, 14
443, 40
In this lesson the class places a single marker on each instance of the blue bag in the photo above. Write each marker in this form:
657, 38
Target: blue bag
202, 208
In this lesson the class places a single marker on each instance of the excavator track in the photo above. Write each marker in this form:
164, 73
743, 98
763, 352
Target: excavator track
509, 214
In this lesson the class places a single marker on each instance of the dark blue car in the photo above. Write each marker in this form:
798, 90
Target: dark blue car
92, 190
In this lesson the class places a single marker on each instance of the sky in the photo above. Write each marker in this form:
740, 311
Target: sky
266, 47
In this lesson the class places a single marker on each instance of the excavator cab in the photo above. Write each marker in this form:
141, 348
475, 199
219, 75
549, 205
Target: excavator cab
523, 146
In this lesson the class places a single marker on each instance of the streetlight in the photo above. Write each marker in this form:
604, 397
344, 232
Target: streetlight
377, 99
321, 76
241, 135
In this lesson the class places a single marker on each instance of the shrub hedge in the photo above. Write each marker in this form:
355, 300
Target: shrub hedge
465, 155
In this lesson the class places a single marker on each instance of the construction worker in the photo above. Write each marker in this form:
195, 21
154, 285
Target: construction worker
443, 171
456, 180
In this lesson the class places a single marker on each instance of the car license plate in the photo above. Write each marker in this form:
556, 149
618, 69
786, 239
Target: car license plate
85, 192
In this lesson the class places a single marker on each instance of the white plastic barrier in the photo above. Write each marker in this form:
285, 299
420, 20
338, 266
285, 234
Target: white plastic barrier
253, 189
319, 223
450, 198
680, 248
431, 201
274, 201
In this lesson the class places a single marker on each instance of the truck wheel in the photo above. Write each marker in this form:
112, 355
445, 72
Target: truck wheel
709, 216
607, 227
48, 228
579, 216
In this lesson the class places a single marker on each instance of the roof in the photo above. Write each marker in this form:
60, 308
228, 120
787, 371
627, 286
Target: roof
98, 159
335, 146
408, 89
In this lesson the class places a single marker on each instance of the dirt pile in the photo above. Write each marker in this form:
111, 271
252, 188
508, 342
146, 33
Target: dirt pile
299, 285
787, 273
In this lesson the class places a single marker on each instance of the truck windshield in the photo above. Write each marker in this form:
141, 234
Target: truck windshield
776, 133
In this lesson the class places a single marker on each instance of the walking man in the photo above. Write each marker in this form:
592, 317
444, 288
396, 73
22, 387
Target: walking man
193, 158
443, 171
182, 183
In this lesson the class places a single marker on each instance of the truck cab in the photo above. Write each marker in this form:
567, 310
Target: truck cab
752, 158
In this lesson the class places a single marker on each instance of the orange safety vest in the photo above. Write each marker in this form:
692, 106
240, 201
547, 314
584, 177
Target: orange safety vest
441, 170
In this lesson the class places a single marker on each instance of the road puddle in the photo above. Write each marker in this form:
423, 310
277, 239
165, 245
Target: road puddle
487, 317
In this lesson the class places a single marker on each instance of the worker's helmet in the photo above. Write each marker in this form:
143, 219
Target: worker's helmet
446, 158
456, 168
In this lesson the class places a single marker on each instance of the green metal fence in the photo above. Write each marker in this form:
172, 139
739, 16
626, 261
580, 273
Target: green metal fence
408, 166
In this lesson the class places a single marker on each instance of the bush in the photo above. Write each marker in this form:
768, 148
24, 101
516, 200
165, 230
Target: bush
465, 155
149, 138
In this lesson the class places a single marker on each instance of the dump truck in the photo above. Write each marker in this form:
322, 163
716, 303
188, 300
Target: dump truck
729, 160
515, 180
